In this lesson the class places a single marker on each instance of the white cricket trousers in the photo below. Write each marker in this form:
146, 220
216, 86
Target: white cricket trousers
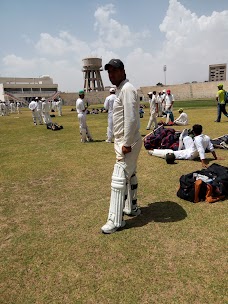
189, 152
153, 119
110, 126
130, 159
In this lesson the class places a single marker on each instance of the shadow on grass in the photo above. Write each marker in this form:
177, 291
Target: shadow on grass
97, 140
162, 212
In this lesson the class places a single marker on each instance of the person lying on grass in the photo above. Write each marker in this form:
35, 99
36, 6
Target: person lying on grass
189, 148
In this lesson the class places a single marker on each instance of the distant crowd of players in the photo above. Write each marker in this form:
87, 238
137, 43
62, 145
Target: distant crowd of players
40, 108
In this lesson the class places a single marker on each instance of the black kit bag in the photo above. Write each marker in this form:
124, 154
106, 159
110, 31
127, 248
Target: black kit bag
54, 126
219, 176
219, 181
186, 190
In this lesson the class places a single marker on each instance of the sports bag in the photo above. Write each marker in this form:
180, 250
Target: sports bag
54, 126
211, 185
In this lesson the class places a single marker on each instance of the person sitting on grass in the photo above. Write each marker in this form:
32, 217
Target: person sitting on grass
182, 120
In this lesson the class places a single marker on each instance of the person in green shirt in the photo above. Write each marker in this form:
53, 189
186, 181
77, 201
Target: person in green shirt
221, 107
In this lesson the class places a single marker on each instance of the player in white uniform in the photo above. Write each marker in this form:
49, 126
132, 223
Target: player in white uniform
39, 110
80, 108
18, 104
1, 108
182, 120
153, 110
32, 107
45, 111
169, 100
108, 105
59, 105
159, 102
127, 145
163, 100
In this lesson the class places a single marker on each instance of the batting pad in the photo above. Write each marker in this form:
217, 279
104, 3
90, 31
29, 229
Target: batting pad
118, 188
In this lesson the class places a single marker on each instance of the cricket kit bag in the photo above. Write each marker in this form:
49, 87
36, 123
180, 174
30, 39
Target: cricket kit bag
210, 185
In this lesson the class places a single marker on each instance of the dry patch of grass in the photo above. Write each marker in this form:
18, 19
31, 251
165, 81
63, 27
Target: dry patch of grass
54, 195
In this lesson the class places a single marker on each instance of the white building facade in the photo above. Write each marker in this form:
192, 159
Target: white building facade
25, 89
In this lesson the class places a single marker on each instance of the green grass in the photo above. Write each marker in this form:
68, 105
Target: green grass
54, 194
193, 104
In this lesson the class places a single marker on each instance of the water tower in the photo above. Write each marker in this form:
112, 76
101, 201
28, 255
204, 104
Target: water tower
92, 75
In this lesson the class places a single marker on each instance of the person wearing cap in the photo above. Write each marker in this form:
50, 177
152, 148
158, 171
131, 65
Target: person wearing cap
182, 120
153, 110
159, 102
163, 100
108, 105
59, 105
33, 107
190, 148
45, 111
81, 110
18, 106
221, 106
169, 101
127, 145
3, 108
39, 110
12, 107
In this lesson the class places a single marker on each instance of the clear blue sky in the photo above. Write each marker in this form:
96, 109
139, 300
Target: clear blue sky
52, 37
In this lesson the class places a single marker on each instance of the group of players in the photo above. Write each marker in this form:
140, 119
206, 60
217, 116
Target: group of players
9, 107
41, 108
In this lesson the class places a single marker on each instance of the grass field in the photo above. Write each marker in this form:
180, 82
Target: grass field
54, 194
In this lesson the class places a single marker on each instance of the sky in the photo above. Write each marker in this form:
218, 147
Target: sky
52, 37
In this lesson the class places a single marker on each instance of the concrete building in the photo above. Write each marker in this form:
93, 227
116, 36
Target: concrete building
217, 72
24, 89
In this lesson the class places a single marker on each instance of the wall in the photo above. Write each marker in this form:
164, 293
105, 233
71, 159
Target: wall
91, 97
200, 90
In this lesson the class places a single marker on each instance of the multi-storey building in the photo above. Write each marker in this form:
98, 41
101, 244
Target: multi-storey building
24, 89
217, 72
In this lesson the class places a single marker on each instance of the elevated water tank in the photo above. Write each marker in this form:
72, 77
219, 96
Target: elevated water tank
92, 67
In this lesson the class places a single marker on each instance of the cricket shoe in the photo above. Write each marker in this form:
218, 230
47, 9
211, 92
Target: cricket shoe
135, 212
109, 227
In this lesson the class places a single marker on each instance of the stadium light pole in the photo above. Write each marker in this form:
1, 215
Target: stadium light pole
164, 69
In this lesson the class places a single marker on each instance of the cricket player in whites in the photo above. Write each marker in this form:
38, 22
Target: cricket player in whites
80, 108
108, 105
127, 145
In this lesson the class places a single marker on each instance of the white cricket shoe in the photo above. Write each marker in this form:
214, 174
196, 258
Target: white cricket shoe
150, 152
109, 227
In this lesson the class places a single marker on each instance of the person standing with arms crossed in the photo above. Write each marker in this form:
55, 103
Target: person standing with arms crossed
127, 145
